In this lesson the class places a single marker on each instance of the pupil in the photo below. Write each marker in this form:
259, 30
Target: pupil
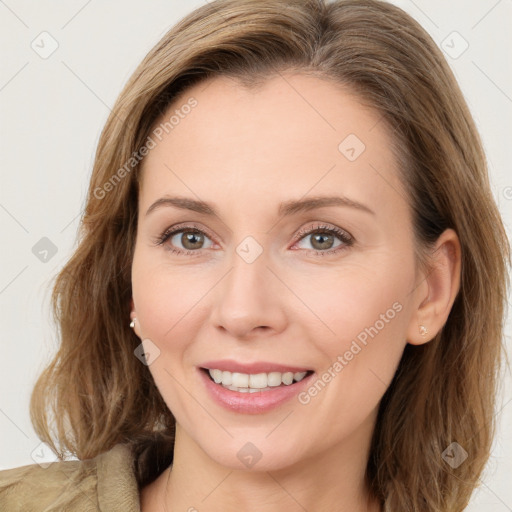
323, 237
188, 238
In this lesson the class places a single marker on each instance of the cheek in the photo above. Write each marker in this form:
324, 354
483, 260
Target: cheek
359, 301
171, 310
166, 297
164, 300
364, 321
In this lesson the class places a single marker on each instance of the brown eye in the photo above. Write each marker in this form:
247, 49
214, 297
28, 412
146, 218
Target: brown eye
191, 239
184, 240
322, 239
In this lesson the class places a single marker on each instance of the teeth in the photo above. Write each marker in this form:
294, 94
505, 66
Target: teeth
251, 383
227, 378
274, 379
216, 375
258, 381
239, 380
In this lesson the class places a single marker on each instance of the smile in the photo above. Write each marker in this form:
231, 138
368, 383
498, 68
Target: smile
254, 382
252, 388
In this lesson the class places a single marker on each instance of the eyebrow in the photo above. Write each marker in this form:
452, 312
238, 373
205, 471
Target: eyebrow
286, 208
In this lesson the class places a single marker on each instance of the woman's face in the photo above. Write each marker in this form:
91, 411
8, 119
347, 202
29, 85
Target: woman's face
272, 279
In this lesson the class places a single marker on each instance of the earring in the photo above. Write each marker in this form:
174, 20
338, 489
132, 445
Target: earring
423, 330
132, 323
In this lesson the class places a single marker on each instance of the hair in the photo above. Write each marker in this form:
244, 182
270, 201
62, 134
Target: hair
95, 393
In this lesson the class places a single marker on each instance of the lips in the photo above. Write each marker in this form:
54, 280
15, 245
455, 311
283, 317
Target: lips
252, 401
252, 368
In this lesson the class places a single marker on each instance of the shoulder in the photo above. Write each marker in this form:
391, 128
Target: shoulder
52, 488
106, 483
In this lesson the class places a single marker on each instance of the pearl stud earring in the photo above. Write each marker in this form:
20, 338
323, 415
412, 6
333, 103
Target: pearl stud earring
132, 323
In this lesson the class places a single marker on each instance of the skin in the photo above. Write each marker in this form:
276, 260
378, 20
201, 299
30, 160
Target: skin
245, 152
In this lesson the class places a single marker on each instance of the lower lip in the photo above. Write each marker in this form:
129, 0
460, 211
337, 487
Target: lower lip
252, 403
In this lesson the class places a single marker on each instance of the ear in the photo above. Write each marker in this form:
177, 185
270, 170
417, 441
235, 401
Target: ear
436, 293
133, 317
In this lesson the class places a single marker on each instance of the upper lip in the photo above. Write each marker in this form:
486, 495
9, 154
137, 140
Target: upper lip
251, 368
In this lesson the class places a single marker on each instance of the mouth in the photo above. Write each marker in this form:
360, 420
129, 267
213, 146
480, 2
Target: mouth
254, 382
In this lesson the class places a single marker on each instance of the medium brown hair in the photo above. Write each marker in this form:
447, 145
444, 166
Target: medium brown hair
96, 393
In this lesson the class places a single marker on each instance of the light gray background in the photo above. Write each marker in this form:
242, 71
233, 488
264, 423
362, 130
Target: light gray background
52, 112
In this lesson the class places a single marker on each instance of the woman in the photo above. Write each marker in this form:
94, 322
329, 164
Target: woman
290, 284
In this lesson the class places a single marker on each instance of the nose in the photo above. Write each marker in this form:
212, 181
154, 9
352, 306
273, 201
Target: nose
249, 300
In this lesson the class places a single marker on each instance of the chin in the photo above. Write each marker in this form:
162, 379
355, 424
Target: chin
255, 455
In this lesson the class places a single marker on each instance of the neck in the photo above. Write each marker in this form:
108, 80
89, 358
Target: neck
332, 480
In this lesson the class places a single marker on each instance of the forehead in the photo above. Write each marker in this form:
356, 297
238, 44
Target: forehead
294, 133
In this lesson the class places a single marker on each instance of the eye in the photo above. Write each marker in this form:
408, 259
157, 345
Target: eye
190, 240
183, 240
323, 238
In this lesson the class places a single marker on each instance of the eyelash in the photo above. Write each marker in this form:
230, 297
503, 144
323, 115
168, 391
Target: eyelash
347, 239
